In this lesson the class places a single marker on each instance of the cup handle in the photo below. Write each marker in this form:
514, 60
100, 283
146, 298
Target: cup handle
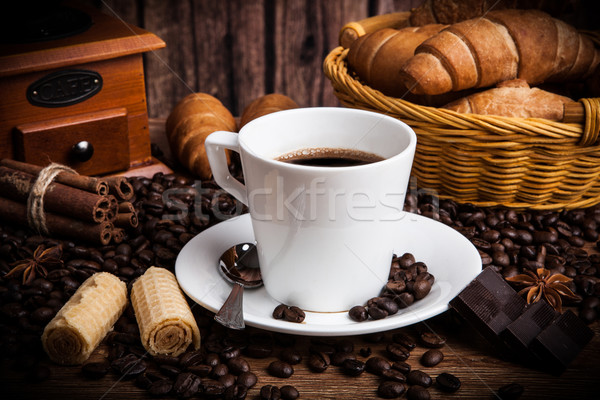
215, 146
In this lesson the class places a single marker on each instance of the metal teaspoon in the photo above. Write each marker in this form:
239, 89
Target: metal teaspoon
238, 265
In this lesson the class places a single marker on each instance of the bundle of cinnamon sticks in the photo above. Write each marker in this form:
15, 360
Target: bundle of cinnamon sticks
96, 210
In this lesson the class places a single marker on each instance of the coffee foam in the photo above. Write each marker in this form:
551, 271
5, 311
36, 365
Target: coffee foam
328, 152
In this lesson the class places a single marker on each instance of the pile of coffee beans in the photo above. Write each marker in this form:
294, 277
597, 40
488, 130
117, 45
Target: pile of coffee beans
510, 241
173, 209
408, 282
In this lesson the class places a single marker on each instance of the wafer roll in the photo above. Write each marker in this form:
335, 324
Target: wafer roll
85, 319
166, 323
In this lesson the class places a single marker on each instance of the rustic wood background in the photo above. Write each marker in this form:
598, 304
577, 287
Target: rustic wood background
238, 50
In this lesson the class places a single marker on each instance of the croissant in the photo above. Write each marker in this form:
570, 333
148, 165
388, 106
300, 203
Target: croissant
265, 105
377, 56
503, 45
190, 122
513, 99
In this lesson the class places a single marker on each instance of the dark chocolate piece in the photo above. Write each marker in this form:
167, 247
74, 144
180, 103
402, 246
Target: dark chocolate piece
489, 304
535, 334
560, 342
519, 334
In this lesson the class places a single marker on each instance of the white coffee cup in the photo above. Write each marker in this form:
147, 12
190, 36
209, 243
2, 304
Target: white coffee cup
325, 235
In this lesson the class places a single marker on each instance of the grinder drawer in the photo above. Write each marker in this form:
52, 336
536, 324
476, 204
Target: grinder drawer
92, 143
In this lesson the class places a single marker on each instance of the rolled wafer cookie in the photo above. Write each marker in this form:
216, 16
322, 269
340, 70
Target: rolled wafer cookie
85, 319
164, 317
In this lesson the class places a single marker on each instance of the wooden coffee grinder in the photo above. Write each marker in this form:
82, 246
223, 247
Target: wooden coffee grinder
72, 88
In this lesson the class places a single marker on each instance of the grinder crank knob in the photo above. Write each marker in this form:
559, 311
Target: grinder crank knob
82, 151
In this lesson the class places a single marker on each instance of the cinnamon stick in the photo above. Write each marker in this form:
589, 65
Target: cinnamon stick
58, 198
58, 225
126, 220
126, 207
113, 208
120, 187
87, 183
118, 235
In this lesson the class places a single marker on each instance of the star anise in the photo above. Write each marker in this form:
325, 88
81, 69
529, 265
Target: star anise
544, 284
36, 265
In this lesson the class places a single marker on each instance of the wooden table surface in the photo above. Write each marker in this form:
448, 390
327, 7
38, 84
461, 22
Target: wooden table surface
467, 356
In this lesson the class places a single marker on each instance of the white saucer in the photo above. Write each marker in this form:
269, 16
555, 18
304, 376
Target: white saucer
449, 256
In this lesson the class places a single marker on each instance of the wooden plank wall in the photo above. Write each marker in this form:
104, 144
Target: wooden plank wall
238, 50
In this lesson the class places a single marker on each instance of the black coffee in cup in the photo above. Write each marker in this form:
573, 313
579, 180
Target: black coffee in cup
329, 157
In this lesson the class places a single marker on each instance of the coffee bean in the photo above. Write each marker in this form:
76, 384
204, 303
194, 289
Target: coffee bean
447, 382
110, 265
191, 358
421, 288
280, 369
417, 392
212, 388
377, 313
289, 392
202, 370
128, 366
358, 313
291, 356
397, 352
404, 340
339, 357
393, 375
43, 315
186, 385
160, 388
376, 365
406, 260
43, 284
388, 305
318, 362
238, 365
235, 392
229, 353
270, 392
161, 359
169, 370
218, 371
404, 300
401, 366
294, 314
391, 389
431, 358
247, 378
278, 311
417, 377
511, 391
353, 367
432, 340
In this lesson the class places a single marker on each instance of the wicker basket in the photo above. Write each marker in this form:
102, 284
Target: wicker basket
489, 160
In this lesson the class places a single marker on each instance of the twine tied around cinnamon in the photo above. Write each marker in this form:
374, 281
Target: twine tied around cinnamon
36, 217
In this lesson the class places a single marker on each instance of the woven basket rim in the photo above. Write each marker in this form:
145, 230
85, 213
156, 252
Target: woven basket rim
504, 135
336, 69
